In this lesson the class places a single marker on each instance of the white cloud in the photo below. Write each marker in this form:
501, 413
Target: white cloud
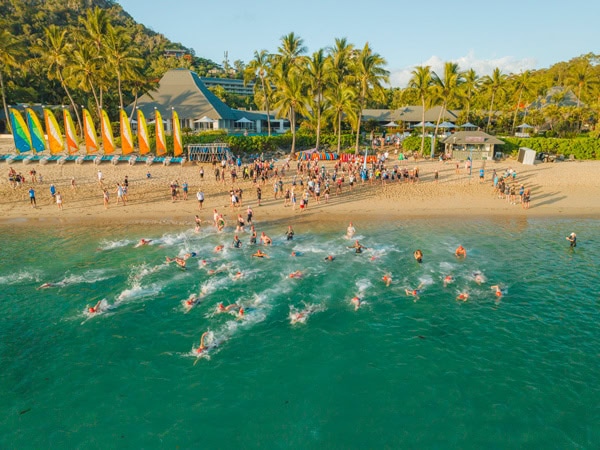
507, 64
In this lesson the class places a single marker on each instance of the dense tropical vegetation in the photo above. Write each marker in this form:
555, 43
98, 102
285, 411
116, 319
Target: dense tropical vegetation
92, 53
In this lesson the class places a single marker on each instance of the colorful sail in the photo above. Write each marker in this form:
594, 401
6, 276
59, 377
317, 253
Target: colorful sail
89, 133
70, 133
108, 141
177, 144
161, 147
38, 141
142, 133
126, 136
20, 131
55, 139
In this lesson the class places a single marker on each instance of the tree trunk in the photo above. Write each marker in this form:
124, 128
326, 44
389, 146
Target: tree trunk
437, 126
73, 105
6, 116
339, 131
293, 126
262, 80
487, 126
318, 121
423, 123
516, 111
358, 121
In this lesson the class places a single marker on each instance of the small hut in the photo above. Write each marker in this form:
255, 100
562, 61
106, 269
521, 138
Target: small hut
471, 144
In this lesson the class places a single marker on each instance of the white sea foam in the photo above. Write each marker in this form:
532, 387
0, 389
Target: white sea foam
111, 245
21, 276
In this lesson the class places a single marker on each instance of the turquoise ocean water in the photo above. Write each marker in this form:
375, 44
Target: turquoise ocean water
521, 371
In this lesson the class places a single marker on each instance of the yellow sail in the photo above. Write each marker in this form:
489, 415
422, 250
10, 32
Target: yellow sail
38, 140
20, 131
126, 136
177, 144
108, 141
89, 132
55, 139
142, 133
70, 133
161, 147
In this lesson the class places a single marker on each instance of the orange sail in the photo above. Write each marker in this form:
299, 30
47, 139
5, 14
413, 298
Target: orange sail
126, 136
55, 139
89, 132
70, 133
161, 147
108, 141
177, 144
142, 133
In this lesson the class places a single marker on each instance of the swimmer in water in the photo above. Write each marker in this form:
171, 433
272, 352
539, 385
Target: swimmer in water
358, 247
460, 252
202, 348
296, 274
47, 285
143, 242
179, 261
301, 316
329, 258
236, 242
356, 301
414, 292
478, 277
190, 255
350, 231
237, 275
418, 254
218, 248
497, 291
96, 308
295, 253
222, 309
463, 296
387, 279
241, 312
572, 238
266, 240
448, 279
191, 301
260, 254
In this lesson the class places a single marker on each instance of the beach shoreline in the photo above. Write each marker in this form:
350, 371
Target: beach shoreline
566, 189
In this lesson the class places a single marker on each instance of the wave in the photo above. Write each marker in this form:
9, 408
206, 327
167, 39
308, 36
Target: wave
21, 276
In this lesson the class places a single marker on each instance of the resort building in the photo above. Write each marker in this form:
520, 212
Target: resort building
231, 85
475, 145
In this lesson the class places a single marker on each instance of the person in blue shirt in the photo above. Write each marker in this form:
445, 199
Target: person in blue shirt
32, 198
52, 190
481, 175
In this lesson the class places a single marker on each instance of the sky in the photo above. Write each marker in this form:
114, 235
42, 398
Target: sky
512, 35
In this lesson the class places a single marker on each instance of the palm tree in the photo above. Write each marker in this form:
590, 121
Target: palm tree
289, 99
368, 74
318, 76
260, 67
95, 27
341, 54
447, 89
522, 83
55, 51
582, 78
10, 51
421, 82
139, 83
494, 84
342, 100
85, 68
470, 87
290, 52
122, 56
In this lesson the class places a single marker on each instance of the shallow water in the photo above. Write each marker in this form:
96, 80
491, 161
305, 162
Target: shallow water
519, 371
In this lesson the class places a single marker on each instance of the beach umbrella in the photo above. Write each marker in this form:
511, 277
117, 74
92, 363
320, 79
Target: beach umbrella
427, 125
447, 125
243, 120
391, 124
205, 119
468, 125
524, 125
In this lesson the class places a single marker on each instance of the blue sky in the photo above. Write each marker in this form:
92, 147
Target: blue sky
512, 35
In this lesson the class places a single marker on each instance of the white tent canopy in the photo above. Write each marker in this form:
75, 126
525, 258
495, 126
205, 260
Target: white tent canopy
391, 124
205, 119
447, 125
243, 120
524, 125
427, 124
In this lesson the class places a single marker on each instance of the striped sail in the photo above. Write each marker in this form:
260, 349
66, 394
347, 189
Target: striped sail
108, 141
55, 139
89, 133
177, 144
161, 147
70, 133
126, 136
142, 133
38, 141
20, 131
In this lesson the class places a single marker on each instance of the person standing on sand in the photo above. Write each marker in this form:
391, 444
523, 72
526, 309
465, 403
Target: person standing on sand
59, 201
100, 178
185, 190
105, 198
200, 197
120, 194
32, 197
258, 194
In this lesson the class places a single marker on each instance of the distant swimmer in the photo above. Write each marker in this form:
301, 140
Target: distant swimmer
448, 279
96, 308
358, 247
260, 254
356, 301
478, 277
143, 242
497, 291
295, 253
223, 309
463, 296
289, 234
301, 316
237, 275
418, 254
236, 242
460, 252
218, 248
414, 292
572, 238
266, 240
177, 260
387, 279
191, 301
329, 258
296, 274
203, 347
47, 285
241, 312
190, 255
350, 231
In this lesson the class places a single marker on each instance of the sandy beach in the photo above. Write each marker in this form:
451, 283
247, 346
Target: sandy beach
564, 189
